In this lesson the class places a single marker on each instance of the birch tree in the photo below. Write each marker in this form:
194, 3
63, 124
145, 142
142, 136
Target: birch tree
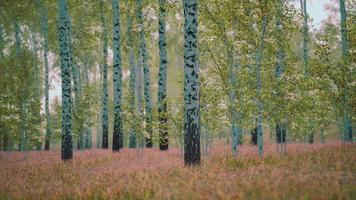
44, 30
2, 42
235, 118
306, 58
162, 77
347, 119
22, 102
281, 126
146, 74
259, 85
118, 121
64, 40
191, 84
105, 93
35, 95
132, 80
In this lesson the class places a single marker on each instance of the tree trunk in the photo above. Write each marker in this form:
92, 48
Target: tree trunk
306, 54
146, 75
44, 27
139, 101
64, 39
77, 99
99, 115
162, 80
280, 125
88, 131
2, 43
259, 98
77, 85
132, 134
254, 136
347, 119
252, 70
305, 39
5, 138
105, 94
35, 104
75, 75
118, 125
191, 85
3, 128
17, 39
23, 96
234, 115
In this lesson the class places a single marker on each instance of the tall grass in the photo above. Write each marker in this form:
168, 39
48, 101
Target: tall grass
306, 172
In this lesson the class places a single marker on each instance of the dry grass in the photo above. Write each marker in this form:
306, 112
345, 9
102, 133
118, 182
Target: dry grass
306, 172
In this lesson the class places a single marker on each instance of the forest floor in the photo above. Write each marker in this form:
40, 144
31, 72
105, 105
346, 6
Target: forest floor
307, 172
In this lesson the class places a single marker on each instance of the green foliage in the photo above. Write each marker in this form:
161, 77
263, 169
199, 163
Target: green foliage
18, 83
85, 109
306, 104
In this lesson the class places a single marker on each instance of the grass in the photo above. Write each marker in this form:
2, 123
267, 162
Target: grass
306, 172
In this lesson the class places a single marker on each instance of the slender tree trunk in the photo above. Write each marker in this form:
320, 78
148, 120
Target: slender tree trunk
105, 93
44, 27
22, 104
75, 75
24, 95
146, 75
252, 70
99, 116
5, 138
139, 101
281, 128
235, 81
88, 131
259, 98
1, 42
77, 99
306, 55
232, 99
64, 40
347, 119
162, 78
204, 132
75, 70
17, 39
234, 115
305, 38
118, 125
254, 136
132, 136
191, 84
36, 92
75, 78
80, 75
